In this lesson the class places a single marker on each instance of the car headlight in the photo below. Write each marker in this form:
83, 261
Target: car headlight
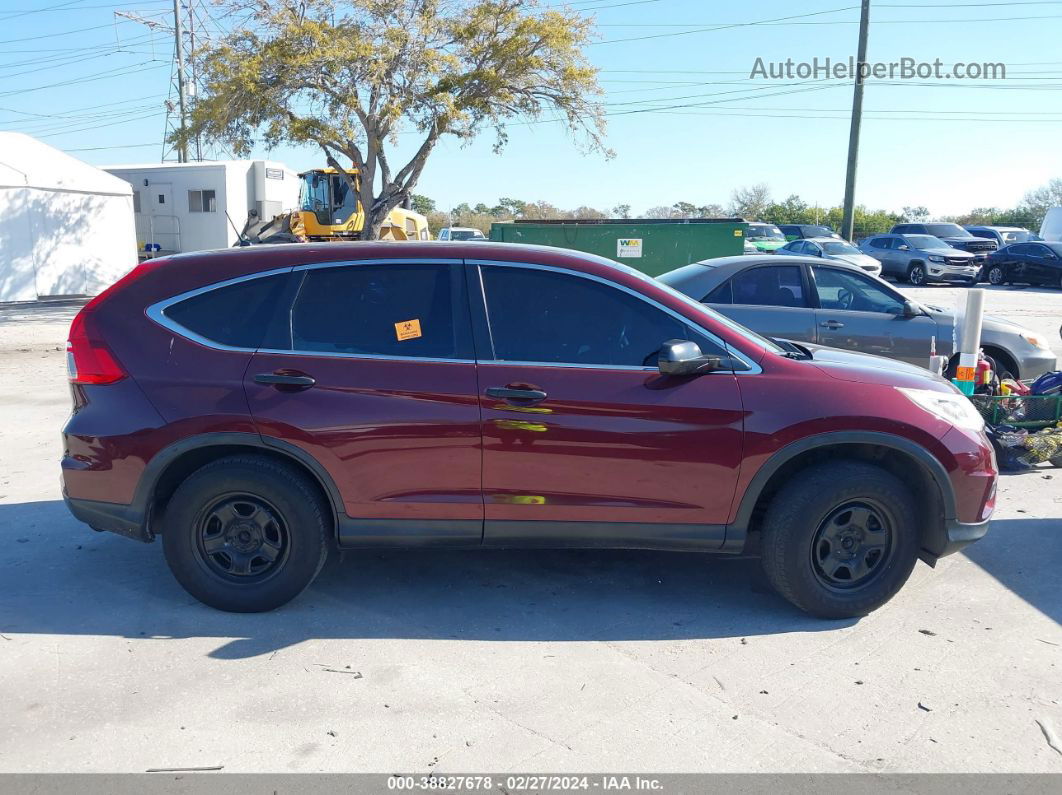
952, 407
935, 258
1035, 340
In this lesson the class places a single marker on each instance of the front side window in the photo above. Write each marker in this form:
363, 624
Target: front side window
235, 315
855, 292
392, 310
202, 201
773, 285
547, 317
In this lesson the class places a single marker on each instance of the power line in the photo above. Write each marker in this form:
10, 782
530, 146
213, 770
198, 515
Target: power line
116, 146
728, 26
105, 75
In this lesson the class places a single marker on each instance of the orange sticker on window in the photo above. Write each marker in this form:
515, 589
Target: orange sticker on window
964, 374
408, 329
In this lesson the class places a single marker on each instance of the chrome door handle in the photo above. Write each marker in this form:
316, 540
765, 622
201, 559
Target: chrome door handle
832, 324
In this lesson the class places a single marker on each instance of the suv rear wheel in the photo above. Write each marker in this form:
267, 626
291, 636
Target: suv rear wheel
245, 534
840, 539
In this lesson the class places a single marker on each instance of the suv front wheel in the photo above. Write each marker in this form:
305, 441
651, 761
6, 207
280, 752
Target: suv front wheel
246, 533
840, 539
916, 274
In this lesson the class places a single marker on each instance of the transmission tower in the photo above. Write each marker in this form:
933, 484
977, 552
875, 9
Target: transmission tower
190, 26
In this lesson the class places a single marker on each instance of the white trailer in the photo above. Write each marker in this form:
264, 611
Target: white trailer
199, 206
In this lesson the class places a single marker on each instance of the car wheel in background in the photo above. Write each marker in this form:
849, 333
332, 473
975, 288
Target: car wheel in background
840, 539
916, 275
996, 275
246, 533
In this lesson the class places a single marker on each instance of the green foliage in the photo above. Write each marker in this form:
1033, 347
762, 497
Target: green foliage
349, 76
422, 204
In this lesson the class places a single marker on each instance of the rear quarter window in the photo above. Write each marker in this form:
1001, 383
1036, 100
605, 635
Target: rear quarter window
236, 315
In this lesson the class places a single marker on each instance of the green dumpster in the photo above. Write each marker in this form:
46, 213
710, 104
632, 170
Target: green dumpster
651, 245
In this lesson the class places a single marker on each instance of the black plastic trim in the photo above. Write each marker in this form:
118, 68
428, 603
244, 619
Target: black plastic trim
614, 535
737, 531
409, 532
110, 516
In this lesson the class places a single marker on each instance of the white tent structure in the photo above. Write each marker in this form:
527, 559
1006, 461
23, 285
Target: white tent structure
66, 228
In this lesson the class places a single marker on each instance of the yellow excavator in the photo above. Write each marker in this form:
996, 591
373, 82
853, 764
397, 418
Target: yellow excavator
330, 211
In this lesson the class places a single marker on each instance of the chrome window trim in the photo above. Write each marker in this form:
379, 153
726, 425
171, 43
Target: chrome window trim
157, 312
754, 368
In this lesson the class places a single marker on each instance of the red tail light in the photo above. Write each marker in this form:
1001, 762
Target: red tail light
88, 358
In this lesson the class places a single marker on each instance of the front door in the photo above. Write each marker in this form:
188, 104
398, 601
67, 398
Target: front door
371, 372
584, 442
859, 313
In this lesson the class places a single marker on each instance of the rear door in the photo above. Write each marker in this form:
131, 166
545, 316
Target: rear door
770, 299
369, 369
859, 313
585, 442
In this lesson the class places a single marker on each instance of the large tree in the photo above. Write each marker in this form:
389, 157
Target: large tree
352, 76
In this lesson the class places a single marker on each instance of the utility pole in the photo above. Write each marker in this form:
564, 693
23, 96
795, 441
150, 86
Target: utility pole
857, 116
182, 149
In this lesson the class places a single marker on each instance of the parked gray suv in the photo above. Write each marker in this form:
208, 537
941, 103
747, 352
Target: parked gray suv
830, 303
922, 259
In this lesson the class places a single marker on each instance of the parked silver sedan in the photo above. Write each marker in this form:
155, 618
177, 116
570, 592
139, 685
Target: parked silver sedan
832, 248
831, 303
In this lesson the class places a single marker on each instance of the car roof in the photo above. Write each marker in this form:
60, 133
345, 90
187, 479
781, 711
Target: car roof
707, 274
822, 239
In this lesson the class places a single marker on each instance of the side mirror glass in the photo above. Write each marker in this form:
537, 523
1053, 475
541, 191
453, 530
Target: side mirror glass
911, 309
682, 357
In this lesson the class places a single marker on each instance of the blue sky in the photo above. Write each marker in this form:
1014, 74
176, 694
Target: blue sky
92, 83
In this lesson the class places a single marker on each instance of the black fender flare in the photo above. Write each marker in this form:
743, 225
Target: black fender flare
737, 531
161, 461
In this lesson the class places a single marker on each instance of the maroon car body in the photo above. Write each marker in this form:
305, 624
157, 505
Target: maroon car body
429, 449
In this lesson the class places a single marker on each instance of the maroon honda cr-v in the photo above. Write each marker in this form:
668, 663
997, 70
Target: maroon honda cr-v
257, 407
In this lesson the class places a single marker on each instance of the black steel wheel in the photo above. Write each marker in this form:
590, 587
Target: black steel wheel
242, 536
851, 545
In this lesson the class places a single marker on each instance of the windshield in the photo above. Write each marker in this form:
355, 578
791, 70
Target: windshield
1018, 236
765, 232
840, 248
947, 230
924, 241
465, 234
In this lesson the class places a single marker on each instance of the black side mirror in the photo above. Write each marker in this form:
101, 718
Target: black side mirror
911, 309
682, 357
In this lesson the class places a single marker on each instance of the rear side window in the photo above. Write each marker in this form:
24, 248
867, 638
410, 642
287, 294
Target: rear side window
720, 295
881, 242
779, 285
546, 317
393, 310
236, 315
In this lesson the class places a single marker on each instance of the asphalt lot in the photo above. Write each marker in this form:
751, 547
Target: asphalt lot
498, 661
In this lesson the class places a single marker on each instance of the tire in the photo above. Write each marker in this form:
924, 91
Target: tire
246, 534
1003, 363
996, 276
916, 275
804, 531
